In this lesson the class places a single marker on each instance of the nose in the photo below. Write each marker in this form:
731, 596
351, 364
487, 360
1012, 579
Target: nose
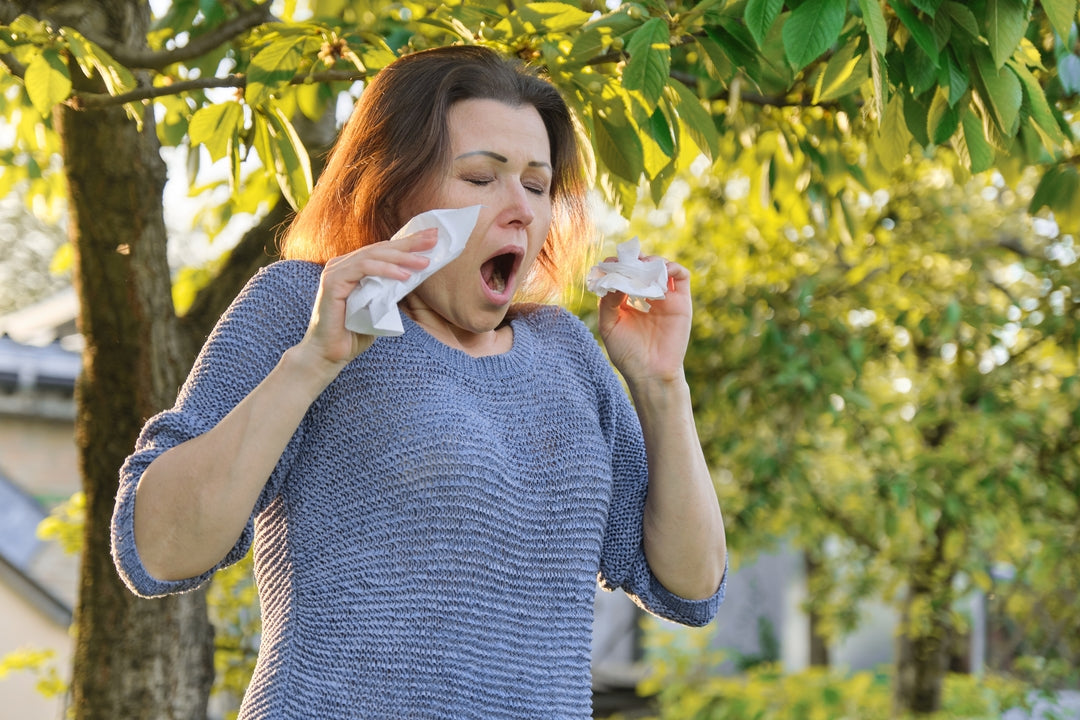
517, 207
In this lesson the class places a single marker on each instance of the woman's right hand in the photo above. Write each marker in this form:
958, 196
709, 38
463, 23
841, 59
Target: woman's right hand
328, 343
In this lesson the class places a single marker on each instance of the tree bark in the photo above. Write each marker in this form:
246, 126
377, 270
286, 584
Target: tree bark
133, 658
923, 647
819, 645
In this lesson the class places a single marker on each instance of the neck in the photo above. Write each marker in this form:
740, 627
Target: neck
476, 344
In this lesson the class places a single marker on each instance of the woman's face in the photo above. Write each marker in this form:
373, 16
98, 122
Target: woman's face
500, 159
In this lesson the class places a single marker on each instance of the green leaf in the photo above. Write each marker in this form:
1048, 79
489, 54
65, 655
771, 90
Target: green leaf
927, 6
878, 80
980, 153
922, 34
1057, 188
660, 131
619, 147
759, 16
916, 115
696, 120
649, 65
92, 58
1037, 105
874, 20
730, 45
291, 161
893, 137
551, 17
48, 81
1003, 91
1006, 21
272, 68
812, 29
943, 118
216, 127
845, 72
961, 17
920, 68
1062, 14
955, 78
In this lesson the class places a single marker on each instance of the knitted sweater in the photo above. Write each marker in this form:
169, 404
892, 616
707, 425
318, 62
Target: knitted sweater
429, 542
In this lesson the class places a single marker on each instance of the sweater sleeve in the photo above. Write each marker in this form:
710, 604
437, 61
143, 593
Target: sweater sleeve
622, 562
269, 316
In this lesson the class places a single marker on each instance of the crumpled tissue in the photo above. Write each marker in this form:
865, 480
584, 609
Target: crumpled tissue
371, 308
641, 280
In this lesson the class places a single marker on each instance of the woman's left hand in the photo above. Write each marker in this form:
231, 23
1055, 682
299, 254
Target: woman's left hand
649, 346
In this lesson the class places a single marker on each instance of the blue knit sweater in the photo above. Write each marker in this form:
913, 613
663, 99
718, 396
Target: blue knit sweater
429, 542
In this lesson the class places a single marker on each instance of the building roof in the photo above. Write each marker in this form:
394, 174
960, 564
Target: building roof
40, 358
20, 515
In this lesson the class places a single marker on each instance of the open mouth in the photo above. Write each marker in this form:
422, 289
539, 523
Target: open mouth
498, 271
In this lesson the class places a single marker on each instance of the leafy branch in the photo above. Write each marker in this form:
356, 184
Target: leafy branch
95, 101
138, 58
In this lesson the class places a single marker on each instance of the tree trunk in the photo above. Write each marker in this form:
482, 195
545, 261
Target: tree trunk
819, 645
133, 658
926, 628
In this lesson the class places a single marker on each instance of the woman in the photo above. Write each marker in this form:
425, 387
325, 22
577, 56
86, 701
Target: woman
430, 512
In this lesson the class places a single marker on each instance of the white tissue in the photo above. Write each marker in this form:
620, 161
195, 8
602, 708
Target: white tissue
371, 308
641, 280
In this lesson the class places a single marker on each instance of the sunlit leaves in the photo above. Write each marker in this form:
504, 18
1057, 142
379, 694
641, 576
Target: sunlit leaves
275, 66
92, 59
697, 120
287, 155
843, 73
47, 81
216, 127
893, 138
648, 69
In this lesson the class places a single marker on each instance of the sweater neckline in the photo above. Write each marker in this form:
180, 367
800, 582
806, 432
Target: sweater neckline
486, 366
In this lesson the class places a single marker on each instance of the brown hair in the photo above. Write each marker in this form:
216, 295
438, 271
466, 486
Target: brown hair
397, 142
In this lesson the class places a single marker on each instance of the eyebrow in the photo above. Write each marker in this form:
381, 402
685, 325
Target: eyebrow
501, 158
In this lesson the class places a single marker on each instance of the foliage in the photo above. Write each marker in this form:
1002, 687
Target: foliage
879, 368
38, 662
64, 524
653, 84
234, 609
900, 400
29, 239
684, 686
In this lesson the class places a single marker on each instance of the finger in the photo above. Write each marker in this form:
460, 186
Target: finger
381, 260
417, 241
678, 277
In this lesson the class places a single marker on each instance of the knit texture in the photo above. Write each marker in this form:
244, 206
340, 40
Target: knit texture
429, 543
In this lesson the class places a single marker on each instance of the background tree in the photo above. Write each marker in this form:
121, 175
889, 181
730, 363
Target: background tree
900, 403
654, 84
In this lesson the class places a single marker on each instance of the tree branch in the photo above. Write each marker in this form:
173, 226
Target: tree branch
96, 101
141, 58
842, 521
15, 67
